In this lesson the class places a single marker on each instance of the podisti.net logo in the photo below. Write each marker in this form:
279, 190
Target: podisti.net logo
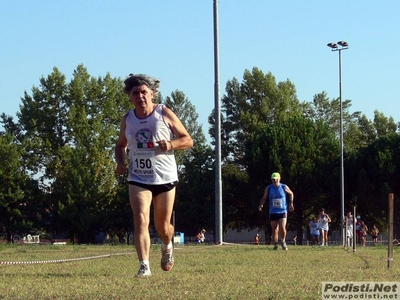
360, 290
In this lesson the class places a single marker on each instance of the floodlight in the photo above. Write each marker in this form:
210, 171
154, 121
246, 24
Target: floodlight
332, 45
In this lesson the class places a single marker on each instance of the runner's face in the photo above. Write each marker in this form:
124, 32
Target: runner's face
276, 181
141, 96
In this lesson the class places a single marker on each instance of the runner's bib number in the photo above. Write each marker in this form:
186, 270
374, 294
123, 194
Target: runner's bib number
277, 203
143, 164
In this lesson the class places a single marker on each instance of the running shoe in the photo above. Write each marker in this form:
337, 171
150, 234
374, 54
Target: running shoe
143, 271
284, 246
275, 247
167, 258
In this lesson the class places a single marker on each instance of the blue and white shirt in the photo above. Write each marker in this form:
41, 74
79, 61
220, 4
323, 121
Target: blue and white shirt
277, 199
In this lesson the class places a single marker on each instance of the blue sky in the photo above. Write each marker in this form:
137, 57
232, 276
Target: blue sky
173, 41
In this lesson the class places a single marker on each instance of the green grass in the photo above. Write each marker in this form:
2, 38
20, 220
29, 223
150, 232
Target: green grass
200, 272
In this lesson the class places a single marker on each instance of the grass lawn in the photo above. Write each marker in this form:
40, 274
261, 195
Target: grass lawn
200, 272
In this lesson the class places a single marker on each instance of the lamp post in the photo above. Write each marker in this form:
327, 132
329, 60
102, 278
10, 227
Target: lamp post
218, 236
341, 45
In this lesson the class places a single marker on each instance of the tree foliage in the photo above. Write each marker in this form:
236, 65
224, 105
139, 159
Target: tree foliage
266, 129
256, 101
194, 200
372, 174
58, 169
305, 152
70, 130
13, 179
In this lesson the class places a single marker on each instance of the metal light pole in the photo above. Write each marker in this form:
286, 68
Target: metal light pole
343, 46
218, 173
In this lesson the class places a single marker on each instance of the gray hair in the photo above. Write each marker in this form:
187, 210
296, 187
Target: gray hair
140, 79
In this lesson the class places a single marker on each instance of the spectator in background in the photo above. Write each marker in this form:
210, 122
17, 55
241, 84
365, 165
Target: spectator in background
201, 237
314, 231
363, 231
324, 221
349, 223
374, 234
257, 239
358, 229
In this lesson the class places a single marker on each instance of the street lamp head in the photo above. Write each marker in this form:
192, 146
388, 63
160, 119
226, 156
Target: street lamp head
332, 45
343, 44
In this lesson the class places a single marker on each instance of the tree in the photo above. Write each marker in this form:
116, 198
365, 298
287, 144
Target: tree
194, 209
373, 173
264, 129
358, 131
328, 111
194, 204
72, 129
362, 132
305, 153
186, 112
258, 100
13, 179
240, 209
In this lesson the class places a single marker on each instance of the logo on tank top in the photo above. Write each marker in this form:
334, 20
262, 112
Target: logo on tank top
143, 137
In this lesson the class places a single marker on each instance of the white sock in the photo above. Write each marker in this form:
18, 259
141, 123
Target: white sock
164, 247
146, 263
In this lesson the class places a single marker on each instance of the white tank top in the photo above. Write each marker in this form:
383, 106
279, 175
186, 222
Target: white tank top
350, 222
147, 163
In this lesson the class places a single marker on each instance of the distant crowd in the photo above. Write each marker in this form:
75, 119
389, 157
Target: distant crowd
319, 226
